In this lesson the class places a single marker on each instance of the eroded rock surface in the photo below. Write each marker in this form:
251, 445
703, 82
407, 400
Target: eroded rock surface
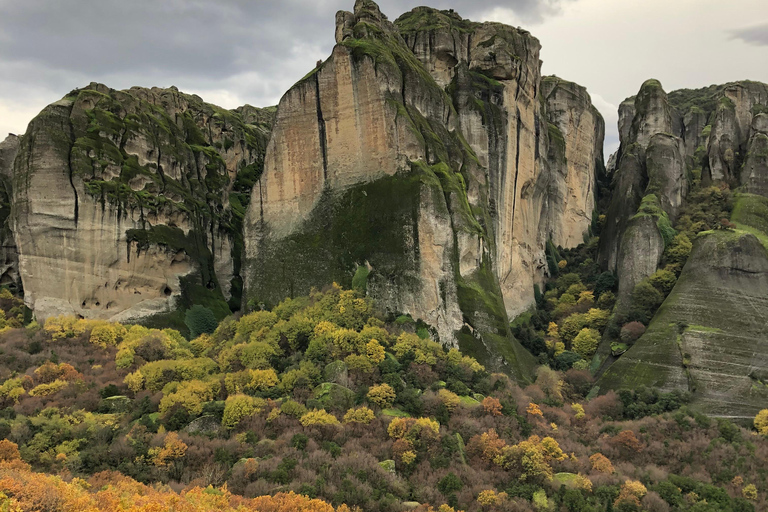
649, 186
9, 257
709, 336
420, 150
129, 204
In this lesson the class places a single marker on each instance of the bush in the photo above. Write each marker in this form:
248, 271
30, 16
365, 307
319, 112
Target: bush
200, 320
449, 483
585, 343
646, 297
761, 422
663, 280
631, 332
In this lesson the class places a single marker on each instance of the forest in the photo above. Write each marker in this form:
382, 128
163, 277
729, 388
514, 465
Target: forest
327, 403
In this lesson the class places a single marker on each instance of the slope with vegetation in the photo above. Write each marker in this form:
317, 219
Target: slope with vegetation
324, 397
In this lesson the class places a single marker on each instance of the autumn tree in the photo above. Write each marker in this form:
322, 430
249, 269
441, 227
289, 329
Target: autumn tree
382, 395
601, 464
492, 406
761, 422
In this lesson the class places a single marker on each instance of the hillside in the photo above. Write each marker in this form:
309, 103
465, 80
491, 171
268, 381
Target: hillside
323, 397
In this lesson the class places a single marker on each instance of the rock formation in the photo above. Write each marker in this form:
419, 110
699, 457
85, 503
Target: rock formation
428, 155
707, 337
649, 185
9, 257
129, 204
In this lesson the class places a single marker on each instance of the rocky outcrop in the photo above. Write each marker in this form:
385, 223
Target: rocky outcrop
754, 174
9, 257
576, 133
419, 151
709, 335
649, 186
129, 204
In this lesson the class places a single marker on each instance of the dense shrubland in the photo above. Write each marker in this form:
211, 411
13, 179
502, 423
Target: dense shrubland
324, 398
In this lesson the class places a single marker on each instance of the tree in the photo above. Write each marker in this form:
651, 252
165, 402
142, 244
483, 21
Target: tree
318, 417
749, 492
761, 422
631, 332
585, 343
627, 441
492, 406
534, 410
173, 448
572, 325
663, 280
261, 380
646, 297
449, 399
382, 395
359, 415
601, 463
200, 320
450, 483
489, 498
631, 491
238, 407
9, 451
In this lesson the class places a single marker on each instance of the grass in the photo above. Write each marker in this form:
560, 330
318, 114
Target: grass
395, 413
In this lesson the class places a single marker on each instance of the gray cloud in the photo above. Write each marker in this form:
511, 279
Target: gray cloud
228, 51
183, 39
756, 34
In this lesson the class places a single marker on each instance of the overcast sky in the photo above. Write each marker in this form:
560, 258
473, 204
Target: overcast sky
232, 52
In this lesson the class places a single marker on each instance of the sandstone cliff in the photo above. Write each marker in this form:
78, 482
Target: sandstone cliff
128, 204
418, 154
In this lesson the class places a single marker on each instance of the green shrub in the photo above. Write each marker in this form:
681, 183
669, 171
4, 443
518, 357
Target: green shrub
200, 320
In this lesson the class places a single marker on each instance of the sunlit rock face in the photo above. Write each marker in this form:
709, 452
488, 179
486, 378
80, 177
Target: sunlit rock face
422, 150
126, 204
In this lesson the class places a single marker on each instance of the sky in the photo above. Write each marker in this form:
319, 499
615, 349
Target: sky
232, 52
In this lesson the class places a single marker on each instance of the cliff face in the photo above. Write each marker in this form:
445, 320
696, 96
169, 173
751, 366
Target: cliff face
128, 204
649, 186
9, 257
419, 152
706, 337
709, 335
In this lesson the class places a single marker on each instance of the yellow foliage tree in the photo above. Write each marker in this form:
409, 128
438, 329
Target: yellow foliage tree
632, 491
761, 422
261, 380
318, 417
449, 399
382, 395
534, 410
585, 343
601, 463
238, 407
490, 498
359, 415
375, 351
173, 448
749, 492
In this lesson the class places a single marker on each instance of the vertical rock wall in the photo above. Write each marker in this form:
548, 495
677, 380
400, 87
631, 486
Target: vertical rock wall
433, 129
128, 204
